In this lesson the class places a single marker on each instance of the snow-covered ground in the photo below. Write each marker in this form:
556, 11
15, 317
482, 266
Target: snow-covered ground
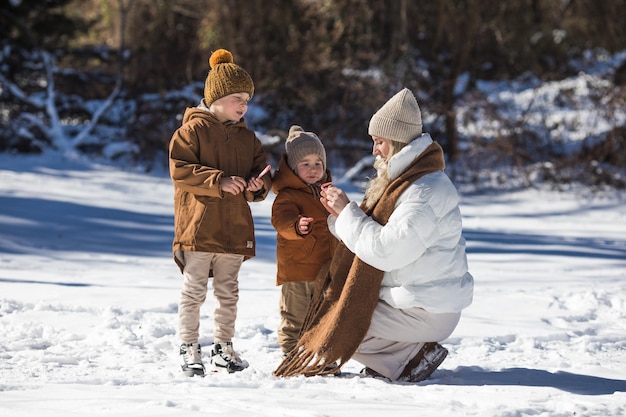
88, 309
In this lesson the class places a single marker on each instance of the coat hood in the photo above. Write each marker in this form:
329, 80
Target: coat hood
202, 112
401, 161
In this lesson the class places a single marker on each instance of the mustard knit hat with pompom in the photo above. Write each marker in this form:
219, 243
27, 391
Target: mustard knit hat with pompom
225, 77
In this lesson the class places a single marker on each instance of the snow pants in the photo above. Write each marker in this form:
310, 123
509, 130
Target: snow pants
197, 267
295, 298
396, 335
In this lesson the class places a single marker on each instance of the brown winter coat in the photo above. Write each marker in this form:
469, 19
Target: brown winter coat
299, 257
206, 219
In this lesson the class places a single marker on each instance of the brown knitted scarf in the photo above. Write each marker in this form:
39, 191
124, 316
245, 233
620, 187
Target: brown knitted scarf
347, 290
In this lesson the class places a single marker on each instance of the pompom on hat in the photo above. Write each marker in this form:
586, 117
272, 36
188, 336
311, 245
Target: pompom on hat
225, 77
300, 144
399, 119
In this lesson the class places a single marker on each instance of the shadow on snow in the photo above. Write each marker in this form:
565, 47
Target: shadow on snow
35, 224
565, 381
534, 244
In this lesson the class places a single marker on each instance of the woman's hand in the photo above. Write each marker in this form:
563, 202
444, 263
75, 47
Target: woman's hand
334, 200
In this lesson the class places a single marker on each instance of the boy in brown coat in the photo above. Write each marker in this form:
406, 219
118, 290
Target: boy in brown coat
215, 162
303, 242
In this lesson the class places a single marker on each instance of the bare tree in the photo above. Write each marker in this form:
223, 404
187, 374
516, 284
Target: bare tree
53, 125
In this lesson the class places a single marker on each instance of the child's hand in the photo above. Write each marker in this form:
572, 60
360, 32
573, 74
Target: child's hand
233, 185
255, 184
304, 225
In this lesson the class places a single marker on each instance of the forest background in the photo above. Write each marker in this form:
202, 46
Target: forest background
110, 79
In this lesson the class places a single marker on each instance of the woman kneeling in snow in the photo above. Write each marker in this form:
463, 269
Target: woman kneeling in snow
399, 280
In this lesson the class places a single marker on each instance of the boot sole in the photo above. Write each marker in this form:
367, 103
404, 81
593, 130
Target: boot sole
430, 368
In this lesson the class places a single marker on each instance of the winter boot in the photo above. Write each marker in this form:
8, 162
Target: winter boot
333, 367
424, 363
370, 373
191, 359
225, 359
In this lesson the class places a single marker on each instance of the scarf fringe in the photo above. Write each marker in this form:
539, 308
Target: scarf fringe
301, 361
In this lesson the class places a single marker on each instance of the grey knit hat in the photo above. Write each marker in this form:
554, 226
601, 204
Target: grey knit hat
398, 119
300, 144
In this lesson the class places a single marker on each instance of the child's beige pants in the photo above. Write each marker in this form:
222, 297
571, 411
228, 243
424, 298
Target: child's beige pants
196, 271
295, 298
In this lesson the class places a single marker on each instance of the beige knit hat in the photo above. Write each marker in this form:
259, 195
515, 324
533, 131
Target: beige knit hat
225, 77
398, 119
300, 144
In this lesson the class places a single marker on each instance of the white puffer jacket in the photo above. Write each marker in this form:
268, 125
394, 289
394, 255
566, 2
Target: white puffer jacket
420, 249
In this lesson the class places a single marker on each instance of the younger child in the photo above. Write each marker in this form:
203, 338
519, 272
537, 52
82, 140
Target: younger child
303, 242
215, 161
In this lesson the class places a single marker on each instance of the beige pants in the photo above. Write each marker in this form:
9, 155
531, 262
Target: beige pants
225, 291
395, 336
294, 303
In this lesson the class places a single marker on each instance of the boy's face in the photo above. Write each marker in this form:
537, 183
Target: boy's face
310, 169
231, 107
